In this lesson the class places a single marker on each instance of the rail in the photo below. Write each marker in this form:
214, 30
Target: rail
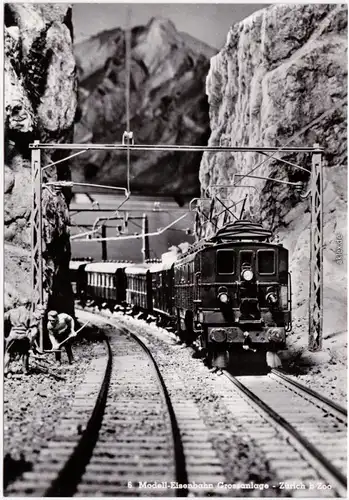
181, 471
325, 467
283, 375
65, 484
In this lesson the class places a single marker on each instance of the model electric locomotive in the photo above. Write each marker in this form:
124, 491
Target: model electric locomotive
231, 289
235, 287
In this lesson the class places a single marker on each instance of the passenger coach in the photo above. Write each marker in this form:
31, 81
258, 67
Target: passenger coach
106, 282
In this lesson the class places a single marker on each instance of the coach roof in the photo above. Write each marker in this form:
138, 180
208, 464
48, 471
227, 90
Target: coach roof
138, 269
76, 264
105, 267
161, 266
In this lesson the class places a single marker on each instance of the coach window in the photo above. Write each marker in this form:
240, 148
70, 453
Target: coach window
266, 261
225, 261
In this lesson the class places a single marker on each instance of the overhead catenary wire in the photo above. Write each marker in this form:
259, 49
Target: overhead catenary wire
87, 147
133, 236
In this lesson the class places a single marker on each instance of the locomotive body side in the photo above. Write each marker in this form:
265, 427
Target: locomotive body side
185, 293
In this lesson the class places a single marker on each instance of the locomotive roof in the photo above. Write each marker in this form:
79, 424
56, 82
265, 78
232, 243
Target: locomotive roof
106, 267
242, 230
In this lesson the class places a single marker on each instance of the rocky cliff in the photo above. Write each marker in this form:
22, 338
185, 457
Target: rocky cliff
168, 105
40, 104
281, 79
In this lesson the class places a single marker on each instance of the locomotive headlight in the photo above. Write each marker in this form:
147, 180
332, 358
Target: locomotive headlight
247, 275
223, 295
271, 297
223, 298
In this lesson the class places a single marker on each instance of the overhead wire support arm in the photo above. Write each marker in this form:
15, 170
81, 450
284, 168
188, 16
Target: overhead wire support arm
73, 183
173, 147
297, 185
291, 164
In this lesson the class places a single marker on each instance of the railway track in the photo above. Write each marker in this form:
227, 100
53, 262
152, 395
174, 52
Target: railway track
120, 432
121, 437
314, 428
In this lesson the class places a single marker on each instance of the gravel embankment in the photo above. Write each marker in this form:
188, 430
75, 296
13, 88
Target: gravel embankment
35, 403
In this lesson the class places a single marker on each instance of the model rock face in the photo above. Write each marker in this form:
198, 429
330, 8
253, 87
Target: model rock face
40, 104
168, 105
281, 79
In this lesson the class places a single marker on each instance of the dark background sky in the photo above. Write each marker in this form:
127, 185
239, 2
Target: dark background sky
207, 22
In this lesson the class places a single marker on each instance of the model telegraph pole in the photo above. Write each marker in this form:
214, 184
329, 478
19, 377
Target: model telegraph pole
316, 253
36, 230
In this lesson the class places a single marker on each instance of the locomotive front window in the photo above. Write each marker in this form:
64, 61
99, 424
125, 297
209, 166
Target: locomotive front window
266, 262
225, 261
246, 258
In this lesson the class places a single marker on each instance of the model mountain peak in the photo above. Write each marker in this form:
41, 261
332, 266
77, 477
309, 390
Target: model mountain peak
168, 104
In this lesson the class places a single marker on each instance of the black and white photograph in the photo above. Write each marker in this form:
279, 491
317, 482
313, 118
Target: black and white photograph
175, 249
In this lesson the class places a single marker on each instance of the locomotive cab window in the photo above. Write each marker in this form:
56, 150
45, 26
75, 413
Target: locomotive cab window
266, 261
225, 261
246, 258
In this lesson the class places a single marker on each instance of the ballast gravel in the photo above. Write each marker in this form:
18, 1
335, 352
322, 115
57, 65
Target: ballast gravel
34, 404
